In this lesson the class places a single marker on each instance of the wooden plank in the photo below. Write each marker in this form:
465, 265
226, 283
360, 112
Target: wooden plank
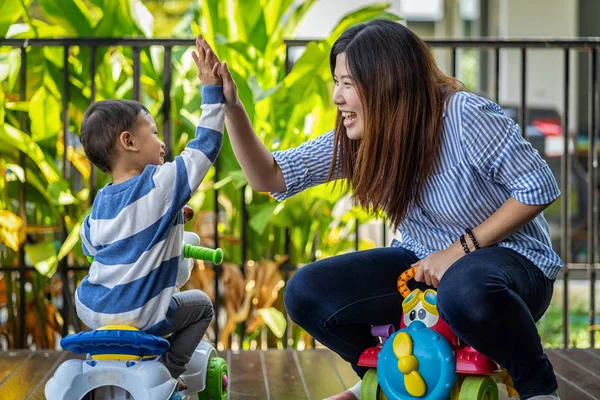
593, 352
284, 378
575, 383
10, 361
567, 391
344, 370
38, 392
27, 376
246, 376
228, 361
318, 370
274, 374
585, 359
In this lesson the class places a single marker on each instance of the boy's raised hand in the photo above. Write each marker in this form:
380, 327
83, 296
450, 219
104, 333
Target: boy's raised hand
207, 63
229, 86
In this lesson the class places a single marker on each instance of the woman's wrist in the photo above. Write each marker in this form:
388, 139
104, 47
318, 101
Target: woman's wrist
456, 250
233, 107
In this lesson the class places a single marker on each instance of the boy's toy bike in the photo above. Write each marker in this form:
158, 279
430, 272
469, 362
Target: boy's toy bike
426, 360
122, 362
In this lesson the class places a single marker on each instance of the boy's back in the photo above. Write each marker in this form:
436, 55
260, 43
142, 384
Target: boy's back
135, 232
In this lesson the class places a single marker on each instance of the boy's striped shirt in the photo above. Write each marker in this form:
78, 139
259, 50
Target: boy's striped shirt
135, 233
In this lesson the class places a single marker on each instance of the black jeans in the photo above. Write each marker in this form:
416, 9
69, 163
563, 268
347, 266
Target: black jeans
491, 298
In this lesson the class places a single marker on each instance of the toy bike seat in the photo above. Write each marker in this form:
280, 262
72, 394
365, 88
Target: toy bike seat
116, 342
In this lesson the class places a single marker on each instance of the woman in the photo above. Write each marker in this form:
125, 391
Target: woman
456, 178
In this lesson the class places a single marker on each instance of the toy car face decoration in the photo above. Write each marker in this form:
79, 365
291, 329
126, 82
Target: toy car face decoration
421, 306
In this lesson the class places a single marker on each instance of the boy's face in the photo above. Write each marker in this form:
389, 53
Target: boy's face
151, 148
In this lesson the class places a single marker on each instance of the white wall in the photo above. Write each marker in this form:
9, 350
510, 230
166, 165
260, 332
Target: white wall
325, 14
516, 18
545, 68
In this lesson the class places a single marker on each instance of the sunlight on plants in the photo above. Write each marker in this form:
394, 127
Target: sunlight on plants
285, 110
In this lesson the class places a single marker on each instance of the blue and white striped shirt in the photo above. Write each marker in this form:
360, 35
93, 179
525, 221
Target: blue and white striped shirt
135, 233
483, 161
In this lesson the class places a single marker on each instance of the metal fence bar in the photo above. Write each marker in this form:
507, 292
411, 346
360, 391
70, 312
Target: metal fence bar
497, 75
68, 306
286, 277
22, 197
65, 116
523, 108
592, 208
495, 43
93, 172
166, 109
216, 267
244, 232
244, 243
454, 61
565, 184
136, 72
487, 42
356, 235
32, 269
93, 87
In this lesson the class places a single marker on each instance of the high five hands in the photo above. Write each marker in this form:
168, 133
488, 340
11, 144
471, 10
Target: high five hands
207, 57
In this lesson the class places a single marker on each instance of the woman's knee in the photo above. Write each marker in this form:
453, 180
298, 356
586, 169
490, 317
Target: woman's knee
299, 295
466, 294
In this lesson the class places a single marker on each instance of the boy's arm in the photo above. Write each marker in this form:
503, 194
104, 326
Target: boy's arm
88, 249
180, 179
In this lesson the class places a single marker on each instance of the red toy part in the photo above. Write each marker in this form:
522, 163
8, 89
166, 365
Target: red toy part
368, 358
470, 361
442, 328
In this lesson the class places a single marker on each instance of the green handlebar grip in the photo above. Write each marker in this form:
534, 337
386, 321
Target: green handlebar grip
203, 253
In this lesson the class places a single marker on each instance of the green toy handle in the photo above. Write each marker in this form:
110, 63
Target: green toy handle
203, 253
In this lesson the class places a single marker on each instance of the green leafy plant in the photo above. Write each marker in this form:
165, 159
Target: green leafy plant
286, 110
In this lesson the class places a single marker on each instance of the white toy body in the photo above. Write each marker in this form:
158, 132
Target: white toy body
120, 380
119, 377
186, 264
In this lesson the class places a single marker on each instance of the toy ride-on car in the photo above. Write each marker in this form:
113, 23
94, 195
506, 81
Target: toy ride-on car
122, 362
426, 360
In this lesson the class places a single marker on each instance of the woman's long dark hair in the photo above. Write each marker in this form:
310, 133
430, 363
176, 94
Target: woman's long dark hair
402, 93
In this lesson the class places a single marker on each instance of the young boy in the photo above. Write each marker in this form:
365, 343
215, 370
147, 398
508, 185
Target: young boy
135, 229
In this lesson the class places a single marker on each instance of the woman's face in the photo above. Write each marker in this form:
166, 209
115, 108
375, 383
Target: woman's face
345, 97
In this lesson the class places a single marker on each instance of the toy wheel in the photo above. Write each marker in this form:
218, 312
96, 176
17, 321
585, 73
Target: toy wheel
369, 388
478, 388
217, 380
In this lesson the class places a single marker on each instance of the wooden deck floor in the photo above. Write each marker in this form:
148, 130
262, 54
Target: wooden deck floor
285, 375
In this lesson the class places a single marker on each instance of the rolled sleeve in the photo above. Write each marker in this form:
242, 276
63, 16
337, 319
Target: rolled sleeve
495, 148
536, 187
304, 166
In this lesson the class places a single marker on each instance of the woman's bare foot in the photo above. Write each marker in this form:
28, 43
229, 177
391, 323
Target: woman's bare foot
346, 395
181, 384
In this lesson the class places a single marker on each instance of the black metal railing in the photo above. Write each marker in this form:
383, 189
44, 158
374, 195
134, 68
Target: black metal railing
590, 46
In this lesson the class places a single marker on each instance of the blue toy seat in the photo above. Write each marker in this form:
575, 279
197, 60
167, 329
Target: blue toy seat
115, 342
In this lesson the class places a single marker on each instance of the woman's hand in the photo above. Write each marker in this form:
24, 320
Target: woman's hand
229, 87
434, 266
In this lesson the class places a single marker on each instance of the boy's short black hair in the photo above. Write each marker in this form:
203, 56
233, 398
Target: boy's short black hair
102, 124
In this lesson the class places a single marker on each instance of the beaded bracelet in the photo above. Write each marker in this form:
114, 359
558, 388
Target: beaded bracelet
463, 242
472, 238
